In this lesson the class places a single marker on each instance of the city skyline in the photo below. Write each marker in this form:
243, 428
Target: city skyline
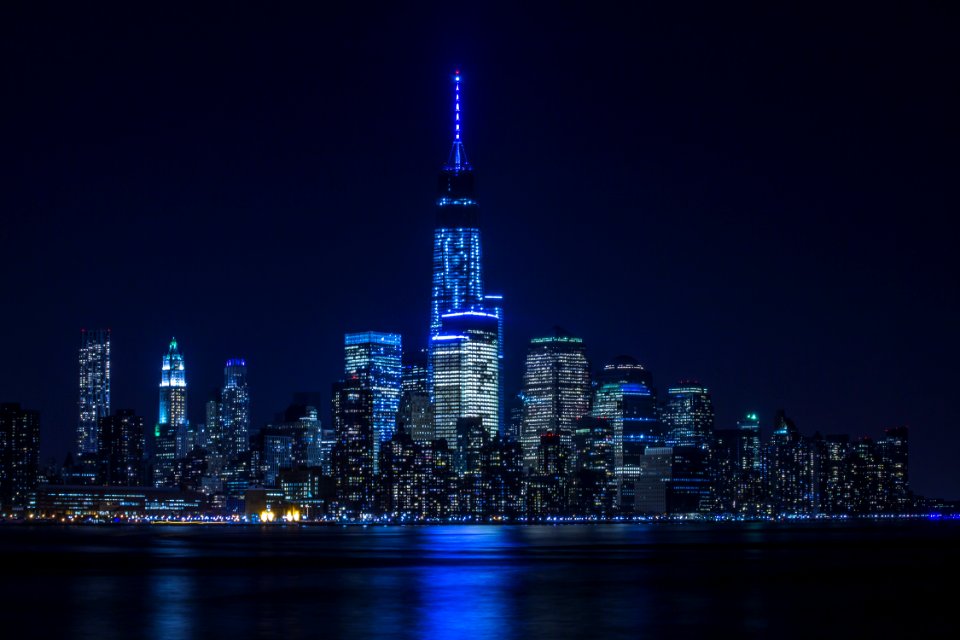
815, 341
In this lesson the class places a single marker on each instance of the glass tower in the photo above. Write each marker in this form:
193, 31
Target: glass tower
688, 416
235, 409
556, 389
457, 279
466, 373
375, 360
627, 399
94, 387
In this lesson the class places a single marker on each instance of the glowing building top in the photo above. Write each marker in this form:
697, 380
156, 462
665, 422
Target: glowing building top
172, 373
457, 279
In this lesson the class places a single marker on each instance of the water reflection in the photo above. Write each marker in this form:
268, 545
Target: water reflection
504, 582
472, 598
172, 605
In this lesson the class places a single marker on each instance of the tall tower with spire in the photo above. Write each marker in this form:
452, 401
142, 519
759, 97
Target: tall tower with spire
466, 338
457, 278
171, 437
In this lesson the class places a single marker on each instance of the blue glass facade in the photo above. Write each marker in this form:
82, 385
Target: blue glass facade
457, 278
375, 359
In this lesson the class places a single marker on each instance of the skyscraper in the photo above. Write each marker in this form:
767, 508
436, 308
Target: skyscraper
457, 278
556, 390
494, 304
94, 400
171, 429
466, 374
416, 411
235, 409
627, 399
374, 359
353, 452
19, 452
749, 489
688, 415
466, 327
625, 396
121, 449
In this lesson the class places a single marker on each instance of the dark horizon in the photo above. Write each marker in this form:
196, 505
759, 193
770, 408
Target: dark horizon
753, 198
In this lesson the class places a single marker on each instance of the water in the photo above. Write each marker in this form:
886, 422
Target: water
604, 581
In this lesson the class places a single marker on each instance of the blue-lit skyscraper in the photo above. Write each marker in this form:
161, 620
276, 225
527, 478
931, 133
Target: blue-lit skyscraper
235, 409
375, 360
627, 399
94, 400
466, 328
466, 373
173, 387
494, 304
171, 429
457, 277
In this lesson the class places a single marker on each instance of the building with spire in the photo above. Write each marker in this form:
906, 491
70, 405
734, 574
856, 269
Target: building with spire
171, 437
94, 402
466, 327
457, 277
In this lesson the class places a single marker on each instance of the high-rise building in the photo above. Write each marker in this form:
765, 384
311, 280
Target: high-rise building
457, 278
94, 400
235, 409
892, 454
687, 416
494, 304
625, 396
594, 488
416, 410
122, 449
466, 375
19, 453
374, 359
749, 487
171, 435
353, 465
788, 469
556, 390
173, 389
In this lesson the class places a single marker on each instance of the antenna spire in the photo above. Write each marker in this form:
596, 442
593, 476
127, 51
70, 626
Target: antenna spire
458, 157
456, 105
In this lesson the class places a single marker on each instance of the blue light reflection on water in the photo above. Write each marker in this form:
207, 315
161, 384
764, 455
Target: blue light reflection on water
751, 580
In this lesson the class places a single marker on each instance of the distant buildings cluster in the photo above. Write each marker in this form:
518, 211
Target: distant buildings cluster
426, 435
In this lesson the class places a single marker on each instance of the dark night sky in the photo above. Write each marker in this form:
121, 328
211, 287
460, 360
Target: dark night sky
759, 198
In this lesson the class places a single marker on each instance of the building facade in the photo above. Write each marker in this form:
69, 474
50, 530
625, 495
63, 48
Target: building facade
235, 410
19, 457
94, 402
688, 416
374, 359
466, 373
556, 390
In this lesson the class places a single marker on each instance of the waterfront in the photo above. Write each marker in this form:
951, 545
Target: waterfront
746, 579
